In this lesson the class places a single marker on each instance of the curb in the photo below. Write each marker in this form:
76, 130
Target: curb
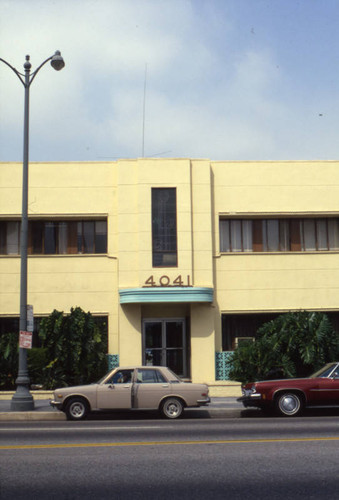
42, 416
17, 416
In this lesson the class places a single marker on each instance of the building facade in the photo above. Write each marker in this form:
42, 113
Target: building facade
185, 258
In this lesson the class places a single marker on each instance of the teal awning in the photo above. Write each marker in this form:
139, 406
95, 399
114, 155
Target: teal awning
165, 294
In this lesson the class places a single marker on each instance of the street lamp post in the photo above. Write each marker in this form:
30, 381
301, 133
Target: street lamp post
22, 400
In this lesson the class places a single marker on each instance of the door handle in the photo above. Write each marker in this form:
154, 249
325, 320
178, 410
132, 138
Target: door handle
165, 385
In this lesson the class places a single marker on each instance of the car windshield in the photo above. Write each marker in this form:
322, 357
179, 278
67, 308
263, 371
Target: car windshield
103, 378
325, 371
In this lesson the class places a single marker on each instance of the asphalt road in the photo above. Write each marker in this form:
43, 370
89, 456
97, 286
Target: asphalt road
261, 458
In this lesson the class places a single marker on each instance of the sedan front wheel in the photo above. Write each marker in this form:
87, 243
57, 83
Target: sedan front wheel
76, 409
289, 404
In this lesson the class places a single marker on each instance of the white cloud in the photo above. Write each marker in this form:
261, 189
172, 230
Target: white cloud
208, 95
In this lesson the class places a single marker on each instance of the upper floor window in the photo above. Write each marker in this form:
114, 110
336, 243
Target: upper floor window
55, 237
164, 227
10, 237
279, 235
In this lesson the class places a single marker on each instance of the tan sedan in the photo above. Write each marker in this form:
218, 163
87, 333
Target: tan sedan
132, 388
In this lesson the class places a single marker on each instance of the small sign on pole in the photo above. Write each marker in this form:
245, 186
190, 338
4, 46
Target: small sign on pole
30, 319
25, 340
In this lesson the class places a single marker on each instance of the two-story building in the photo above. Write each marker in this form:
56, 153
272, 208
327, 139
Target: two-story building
185, 258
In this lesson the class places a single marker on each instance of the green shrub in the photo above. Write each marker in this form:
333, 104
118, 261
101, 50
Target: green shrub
294, 345
9, 355
73, 352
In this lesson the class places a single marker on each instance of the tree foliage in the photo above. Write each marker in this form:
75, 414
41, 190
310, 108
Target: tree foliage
74, 348
73, 351
9, 353
292, 345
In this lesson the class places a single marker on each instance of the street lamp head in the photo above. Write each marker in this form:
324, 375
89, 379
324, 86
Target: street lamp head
57, 61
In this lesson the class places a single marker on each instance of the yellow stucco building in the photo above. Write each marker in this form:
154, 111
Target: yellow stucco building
185, 258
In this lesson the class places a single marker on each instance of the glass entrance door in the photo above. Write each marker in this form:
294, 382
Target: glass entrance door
164, 344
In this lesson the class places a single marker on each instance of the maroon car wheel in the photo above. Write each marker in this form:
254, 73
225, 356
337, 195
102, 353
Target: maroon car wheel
289, 404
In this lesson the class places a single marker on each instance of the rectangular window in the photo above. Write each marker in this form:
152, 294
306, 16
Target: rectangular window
238, 329
51, 237
236, 235
333, 234
100, 234
13, 238
309, 234
55, 237
87, 237
63, 237
164, 227
279, 235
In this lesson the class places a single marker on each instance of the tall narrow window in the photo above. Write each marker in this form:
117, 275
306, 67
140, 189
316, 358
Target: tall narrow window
13, 231
36, 237
51, 237
164, 227
3, 238
100, 236
284, 235
272, 235
322, 239
63, 237
309, 235
333, 234
88, 236
225, 241
247, 235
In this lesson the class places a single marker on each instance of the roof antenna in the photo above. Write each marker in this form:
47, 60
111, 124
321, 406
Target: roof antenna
143, 115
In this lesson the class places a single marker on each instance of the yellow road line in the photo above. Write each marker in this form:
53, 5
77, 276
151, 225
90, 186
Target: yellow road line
164, 443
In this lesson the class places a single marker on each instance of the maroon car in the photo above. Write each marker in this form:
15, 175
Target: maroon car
288, 397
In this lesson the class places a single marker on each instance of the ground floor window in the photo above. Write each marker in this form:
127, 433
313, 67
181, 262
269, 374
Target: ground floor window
239, 328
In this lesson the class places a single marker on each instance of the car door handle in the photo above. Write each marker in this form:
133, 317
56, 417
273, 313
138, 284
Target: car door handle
165, 385
127, 386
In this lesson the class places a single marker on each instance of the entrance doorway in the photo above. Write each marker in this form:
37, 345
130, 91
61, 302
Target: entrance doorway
164, 344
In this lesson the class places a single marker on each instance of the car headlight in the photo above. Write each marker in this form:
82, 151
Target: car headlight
249, 392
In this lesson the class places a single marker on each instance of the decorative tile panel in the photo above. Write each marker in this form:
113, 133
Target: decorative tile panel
221, 365
113, 361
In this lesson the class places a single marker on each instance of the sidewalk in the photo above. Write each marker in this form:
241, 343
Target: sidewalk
220, 407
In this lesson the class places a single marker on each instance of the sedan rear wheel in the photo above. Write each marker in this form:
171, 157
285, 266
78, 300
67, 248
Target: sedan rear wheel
289, 404
76, 409
172, 408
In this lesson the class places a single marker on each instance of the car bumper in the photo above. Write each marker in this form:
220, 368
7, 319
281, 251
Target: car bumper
203, 402
55, 404
252, 400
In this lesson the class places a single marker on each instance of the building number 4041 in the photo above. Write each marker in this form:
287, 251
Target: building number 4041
166, 281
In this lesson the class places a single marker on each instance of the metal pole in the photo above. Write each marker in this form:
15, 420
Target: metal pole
23, 400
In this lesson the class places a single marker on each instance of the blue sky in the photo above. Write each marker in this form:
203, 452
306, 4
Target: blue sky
225, 79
